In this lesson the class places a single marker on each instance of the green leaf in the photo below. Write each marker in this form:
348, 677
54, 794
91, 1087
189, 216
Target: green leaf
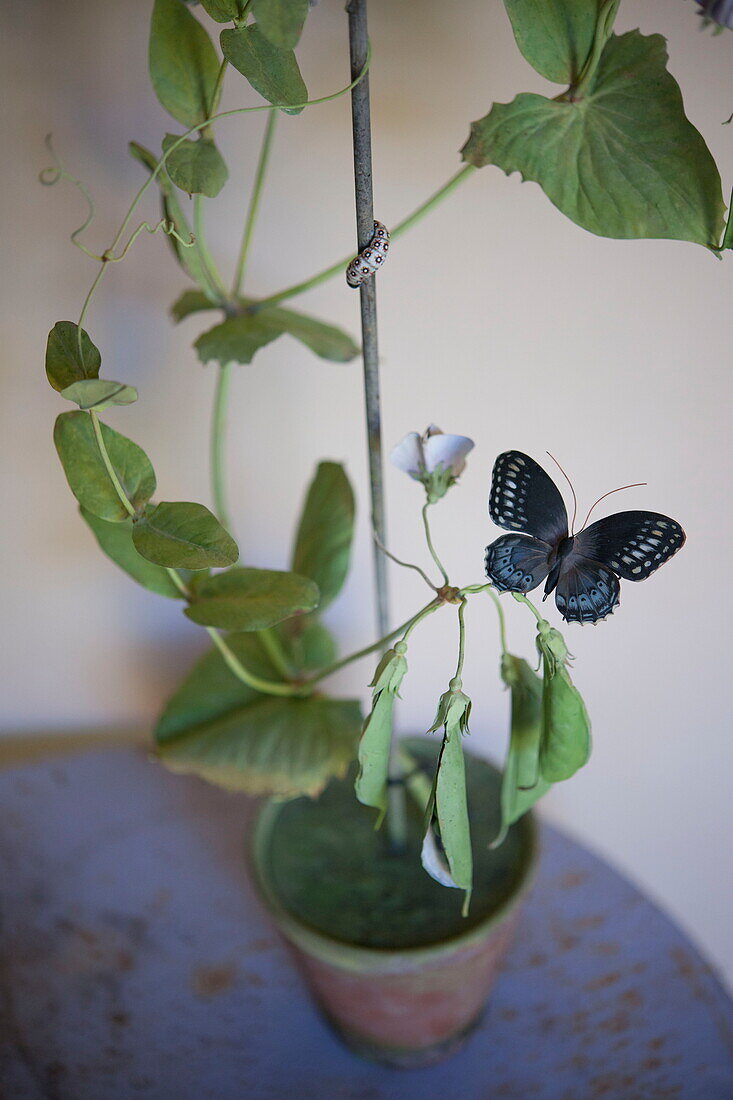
87, 474
317, 646
376, 736
218, 728
64, 364
223, 11
522, 784
326, 341
183, 535
272, 72
451, 810
237, 339
309, 644
183, 62
251, 599
323, 542
115, 539
196, 167
188, 258
191, 301
555, 36
623, 161
565, 737
281, 21
211, 692
98, 394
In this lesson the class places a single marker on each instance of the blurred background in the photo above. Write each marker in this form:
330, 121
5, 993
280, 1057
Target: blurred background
499, 319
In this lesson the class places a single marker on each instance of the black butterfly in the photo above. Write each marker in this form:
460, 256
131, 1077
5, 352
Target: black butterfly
583, 569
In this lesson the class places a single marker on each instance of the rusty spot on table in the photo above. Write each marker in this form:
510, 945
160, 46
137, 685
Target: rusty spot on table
209, 981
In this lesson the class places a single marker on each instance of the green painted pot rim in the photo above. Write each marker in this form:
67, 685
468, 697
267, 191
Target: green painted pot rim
373, 959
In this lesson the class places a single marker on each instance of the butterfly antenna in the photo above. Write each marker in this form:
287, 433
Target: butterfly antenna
620, 489
572, 490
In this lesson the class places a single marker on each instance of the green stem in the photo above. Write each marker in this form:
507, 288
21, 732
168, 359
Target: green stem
404, 564
272, 107
428, 610
218, 433
216, 94
461, 639
108, 465
268, 687
429, 541
397, 231
275, 651
206, 258
521, 598
254, 202
380, 644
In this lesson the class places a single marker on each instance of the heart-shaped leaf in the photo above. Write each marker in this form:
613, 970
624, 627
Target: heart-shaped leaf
183, 535
65, 364
271, 71
623, 161
196, 167
251, 599
183, 62
87, 474
98, 394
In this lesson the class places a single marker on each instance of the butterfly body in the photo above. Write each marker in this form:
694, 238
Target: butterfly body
582, 569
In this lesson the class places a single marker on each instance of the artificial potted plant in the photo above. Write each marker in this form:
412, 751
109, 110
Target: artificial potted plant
400, 929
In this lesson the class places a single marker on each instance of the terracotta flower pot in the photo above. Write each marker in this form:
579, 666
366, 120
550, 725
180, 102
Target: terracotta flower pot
396, 970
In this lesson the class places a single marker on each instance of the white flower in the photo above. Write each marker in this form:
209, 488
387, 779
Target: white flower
433, 458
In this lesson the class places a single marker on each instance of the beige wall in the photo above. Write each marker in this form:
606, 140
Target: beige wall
499, 319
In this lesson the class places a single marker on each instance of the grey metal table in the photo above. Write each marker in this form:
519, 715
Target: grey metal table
137, 962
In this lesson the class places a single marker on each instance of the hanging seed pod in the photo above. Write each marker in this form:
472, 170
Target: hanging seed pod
363, 266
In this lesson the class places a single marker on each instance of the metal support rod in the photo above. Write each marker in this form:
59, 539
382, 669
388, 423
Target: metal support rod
361, 123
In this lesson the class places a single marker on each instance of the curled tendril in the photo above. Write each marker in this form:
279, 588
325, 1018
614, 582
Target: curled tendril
56, 172
165, 224
52, 175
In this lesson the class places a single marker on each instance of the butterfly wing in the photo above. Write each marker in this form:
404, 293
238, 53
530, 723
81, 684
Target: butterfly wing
517, 563
634, 544
586, 590
524, 498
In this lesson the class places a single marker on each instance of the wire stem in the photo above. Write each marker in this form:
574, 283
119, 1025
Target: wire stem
461, 638
404, 564
429, 541
403, 628
254, 202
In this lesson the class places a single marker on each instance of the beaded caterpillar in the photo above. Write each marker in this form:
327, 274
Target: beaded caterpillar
363, 266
